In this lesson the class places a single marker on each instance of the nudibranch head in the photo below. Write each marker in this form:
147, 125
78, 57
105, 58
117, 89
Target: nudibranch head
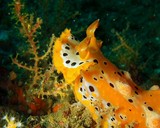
71, 56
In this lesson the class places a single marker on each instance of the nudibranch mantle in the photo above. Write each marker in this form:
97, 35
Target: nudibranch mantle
110, 95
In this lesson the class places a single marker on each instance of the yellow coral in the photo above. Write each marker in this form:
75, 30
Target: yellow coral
11, 122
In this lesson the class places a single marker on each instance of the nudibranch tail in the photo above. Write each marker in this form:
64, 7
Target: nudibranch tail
110, 94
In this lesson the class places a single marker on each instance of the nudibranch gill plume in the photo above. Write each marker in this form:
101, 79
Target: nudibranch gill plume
110, 94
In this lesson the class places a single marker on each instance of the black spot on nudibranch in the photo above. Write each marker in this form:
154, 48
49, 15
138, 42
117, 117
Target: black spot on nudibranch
81, 79
102, 72
122, 72
95, 61
136, 87
91, 88
129, 126
119, 74
101, 117
91, 99
112, 119
72, 37
108, 104
68, 48
101, 77
73, 63
95, 78
136, 92
111, 85
96, 108
81, 89
121, 117
77, 53
65, 54
150, 108
84, 97
105, 63
130, 100
68, 61
81, 63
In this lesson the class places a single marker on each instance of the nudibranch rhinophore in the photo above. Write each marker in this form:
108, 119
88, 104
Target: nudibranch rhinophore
110, 95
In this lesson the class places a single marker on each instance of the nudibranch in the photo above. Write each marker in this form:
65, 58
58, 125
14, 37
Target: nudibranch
110, 94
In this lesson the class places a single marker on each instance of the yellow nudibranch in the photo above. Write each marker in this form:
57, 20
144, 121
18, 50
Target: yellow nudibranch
110, 95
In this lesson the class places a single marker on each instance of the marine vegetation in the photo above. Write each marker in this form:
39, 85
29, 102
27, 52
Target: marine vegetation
43, 81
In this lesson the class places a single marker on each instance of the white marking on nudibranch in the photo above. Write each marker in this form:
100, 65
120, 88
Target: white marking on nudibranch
91, 89
152, 118
71, 58
73, 40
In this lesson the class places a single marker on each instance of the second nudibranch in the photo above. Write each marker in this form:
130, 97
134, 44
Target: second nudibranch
110, 95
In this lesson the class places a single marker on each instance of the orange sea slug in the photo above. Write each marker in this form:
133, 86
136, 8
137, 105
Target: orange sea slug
110, 95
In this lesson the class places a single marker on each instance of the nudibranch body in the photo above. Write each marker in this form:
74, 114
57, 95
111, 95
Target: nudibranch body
110, 95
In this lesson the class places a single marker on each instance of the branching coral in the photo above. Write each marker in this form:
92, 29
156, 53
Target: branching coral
44, 81
29, 30
123, 44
